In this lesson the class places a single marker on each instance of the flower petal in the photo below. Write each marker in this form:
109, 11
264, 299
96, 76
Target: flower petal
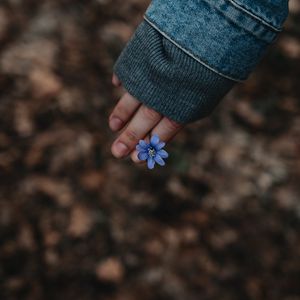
154, 140
160, 145
143, 144
159, 160
143, 155
138, 147
163, 153
150, 163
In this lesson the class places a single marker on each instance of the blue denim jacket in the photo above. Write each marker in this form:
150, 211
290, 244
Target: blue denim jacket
188, 54
199, 27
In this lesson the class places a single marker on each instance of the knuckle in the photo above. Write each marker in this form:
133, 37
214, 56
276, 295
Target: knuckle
172, 125
150, 113
131, 135
120, 110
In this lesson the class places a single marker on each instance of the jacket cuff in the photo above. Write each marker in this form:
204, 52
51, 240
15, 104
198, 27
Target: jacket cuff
165, 78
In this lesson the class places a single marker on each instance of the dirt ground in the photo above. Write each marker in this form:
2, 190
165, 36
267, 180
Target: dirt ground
220, 222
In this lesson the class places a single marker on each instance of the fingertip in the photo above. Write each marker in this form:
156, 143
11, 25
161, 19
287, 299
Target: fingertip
119, 149
123, 111
134, 157
115, 81
115, 123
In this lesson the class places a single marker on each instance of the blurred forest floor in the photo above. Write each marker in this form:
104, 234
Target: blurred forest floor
220, 221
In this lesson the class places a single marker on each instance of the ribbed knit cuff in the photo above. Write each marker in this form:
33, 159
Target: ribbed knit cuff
163, 77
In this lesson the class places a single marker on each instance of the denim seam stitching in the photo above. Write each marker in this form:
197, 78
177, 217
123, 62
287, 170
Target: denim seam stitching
238, 6
234, 22
237, 24
189, 53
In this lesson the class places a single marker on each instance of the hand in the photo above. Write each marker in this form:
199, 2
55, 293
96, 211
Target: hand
137, 121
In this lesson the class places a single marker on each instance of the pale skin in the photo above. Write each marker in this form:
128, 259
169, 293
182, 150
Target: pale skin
134, 121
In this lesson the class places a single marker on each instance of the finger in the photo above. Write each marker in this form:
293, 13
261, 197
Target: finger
115, 81
123, 111
166, 129
142, 123
134, 153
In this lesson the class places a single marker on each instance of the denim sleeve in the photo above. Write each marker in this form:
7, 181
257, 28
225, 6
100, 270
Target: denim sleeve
187, 54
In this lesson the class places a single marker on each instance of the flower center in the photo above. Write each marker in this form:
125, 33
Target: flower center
151, 152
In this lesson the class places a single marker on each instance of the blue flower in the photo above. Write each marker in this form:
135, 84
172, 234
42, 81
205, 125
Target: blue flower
152, 152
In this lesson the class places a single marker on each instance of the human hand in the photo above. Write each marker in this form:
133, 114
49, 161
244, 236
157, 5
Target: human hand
136, 121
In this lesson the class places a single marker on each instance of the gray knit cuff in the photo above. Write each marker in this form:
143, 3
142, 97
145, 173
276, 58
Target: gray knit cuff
163, 77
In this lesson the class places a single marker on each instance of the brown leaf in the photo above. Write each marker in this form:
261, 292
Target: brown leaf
110, 270
81, 221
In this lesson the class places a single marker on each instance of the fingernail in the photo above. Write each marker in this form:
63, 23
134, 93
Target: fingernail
120, 149
115, 124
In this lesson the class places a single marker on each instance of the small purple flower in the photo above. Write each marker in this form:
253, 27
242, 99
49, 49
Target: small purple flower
152, 152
